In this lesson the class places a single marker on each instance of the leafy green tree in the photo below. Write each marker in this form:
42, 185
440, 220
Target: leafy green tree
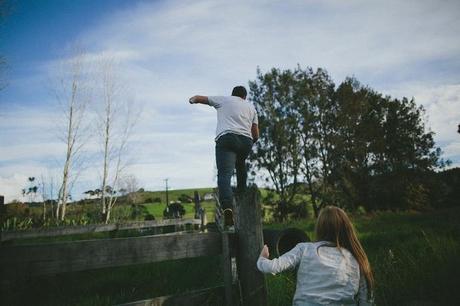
278, 149
31, 190
315, 117
349, 146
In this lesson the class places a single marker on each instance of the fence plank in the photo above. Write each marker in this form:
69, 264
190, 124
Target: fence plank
23, 261
208, 296
96, 228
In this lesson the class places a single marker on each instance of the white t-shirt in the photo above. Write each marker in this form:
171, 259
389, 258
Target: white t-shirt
326, 275
234, 115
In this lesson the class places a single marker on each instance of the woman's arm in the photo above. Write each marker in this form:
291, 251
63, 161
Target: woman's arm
287, 261
363, 298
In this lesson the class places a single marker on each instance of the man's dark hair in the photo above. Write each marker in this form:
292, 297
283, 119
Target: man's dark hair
239, 91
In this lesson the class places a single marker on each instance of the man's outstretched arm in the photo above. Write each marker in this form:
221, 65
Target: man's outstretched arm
199, 99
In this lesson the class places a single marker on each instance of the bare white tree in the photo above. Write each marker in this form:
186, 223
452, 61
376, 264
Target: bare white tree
116, 121
73, 94
47, 190
129, 185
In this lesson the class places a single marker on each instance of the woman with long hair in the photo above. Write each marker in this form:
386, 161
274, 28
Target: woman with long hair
334, 270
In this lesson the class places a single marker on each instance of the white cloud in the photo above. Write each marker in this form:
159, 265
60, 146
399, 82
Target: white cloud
452, 150
442, 105
237, 36
11, 187
13, 178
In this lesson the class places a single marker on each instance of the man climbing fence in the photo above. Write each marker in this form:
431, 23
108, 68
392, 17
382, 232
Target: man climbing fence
237, 130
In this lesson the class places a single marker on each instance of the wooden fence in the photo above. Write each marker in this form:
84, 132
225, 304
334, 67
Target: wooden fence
26, 261
98, 228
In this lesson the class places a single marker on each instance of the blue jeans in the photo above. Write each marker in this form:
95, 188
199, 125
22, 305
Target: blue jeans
231, 152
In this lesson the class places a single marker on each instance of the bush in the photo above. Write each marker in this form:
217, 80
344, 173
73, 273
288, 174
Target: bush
153, 200
185, 198
19, 210
174, 210
138, 212
298, 211
17, 224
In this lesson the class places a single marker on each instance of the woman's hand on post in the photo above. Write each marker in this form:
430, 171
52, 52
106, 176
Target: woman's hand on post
264, 253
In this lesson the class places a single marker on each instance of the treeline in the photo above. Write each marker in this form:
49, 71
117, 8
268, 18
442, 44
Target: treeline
345, 145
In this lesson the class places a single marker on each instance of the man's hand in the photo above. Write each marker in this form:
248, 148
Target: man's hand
264, 253
198, 99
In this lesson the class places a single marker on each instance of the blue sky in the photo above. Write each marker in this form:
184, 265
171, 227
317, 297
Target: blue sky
170, 50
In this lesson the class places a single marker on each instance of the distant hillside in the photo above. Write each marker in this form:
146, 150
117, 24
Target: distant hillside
173, 195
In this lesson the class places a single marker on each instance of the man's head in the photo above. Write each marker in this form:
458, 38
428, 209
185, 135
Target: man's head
239, 91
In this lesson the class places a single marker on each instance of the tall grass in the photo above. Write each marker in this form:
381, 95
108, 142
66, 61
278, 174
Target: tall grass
116, 285
415, 258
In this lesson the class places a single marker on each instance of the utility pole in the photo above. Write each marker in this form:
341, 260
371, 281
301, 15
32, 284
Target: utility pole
167, 199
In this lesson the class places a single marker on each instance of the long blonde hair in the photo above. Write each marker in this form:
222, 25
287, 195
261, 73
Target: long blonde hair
334, 225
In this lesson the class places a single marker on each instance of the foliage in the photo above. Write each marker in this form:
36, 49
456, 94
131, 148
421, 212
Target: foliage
138, 211
174, 210
17, 224
278, 148
349, 145
153, 200
184, 198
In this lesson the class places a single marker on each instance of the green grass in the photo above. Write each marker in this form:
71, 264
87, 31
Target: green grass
117, 285
415, 257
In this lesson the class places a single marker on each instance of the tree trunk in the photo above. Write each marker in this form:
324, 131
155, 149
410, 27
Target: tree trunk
107, 215
106, 155
44, 211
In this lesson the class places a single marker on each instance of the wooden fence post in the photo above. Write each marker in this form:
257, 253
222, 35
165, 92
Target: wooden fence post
197, 201
250, 243
204, 219
227, 269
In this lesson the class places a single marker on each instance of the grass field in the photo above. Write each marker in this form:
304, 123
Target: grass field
415, 257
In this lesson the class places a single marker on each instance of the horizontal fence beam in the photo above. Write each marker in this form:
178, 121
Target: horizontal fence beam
24, 261
208, 296
96, 228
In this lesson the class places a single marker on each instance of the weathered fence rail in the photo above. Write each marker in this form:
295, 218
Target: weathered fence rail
96, 228
30, 260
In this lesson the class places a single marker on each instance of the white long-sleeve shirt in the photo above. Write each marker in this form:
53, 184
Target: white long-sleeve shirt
326, 275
